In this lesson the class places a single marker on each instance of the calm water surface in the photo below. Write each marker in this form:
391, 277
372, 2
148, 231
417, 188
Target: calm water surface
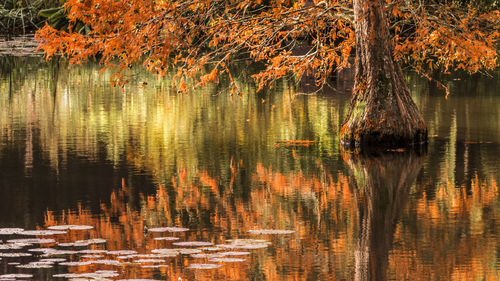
74, 151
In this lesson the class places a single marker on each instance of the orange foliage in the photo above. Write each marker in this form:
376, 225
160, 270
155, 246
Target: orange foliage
289, 37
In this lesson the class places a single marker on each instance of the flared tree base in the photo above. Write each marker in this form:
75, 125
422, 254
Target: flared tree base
383, 119
385, 140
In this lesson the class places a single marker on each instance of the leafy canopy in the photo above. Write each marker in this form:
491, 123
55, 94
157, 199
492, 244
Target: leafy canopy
288, 37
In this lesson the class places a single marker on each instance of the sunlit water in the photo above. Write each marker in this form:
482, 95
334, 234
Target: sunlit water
142, 170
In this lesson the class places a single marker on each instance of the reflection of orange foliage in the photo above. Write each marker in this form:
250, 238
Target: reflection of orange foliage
321, 208
457, 218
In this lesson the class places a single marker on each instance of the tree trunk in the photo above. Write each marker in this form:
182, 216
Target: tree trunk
382, 112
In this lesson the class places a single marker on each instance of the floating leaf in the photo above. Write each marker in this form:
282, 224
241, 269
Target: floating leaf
76, 263
137, 280
41, 250
15, 255
74, 244
10, 231
32, 241
55, 252
147, 256
234, 253
248, 244
149, 261
226, 260
204, 266
92, 241
91, 256
192, 244
70, 227
169, 229
173, 252
154, 266
93, 251
122, 252
13, 246
189, 251
212, 249
106, 262
94, 275
18, 275
41, 232
167, 238
241, 241
271, 231
53, 260
36, 265
207, 256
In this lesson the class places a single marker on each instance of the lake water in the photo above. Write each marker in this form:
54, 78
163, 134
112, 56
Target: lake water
143, 162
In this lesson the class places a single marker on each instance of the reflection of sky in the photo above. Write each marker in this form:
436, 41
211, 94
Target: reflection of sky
216, 164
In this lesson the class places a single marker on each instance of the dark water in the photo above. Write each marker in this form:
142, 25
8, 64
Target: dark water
75, 151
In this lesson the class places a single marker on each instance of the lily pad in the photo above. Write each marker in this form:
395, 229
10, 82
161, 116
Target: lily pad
189, 251
70, 227
74, 244
192, 244
53, 260
13, 246
41, 232
137, 280
154, 265
149, 261
55, 252
247, 244
166, 238
32, 241
92, 241
15, 255
171, 252
271, 231
76, 263
212, 249
206, 256
91, 256
10, 231
122, 252
106, 262
36, 265
204, 266
96, 251
41, 250
168, 229
226, 260
234, 253
18, 275
94, 275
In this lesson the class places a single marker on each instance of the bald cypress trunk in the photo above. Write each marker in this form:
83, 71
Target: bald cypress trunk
382, 112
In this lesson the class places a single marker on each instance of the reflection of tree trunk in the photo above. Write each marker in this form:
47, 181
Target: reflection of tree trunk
383, 182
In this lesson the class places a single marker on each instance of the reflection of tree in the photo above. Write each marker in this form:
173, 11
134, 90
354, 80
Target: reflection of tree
383, 182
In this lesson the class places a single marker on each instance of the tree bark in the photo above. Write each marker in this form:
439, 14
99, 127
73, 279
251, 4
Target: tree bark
382, 112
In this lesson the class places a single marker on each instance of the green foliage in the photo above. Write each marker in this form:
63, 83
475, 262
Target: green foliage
22, 16
55, 17
486, 5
